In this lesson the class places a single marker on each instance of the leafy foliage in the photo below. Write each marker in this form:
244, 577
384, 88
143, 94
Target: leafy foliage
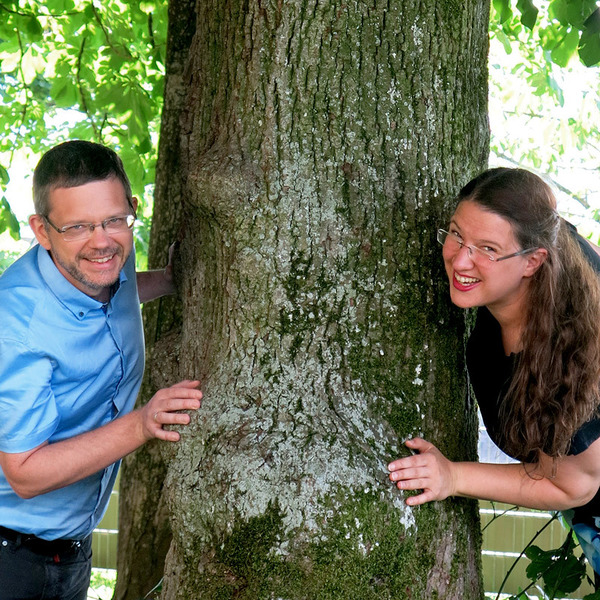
552, 124
81, 69
561, 572
568, 26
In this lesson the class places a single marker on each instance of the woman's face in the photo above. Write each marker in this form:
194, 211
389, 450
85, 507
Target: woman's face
474, 279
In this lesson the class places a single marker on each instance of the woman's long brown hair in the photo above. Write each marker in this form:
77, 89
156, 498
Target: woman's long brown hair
556, 384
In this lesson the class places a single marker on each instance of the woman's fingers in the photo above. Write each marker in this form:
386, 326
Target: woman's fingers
428, 470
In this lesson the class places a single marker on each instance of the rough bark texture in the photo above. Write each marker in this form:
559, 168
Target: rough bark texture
144, 529
322, 144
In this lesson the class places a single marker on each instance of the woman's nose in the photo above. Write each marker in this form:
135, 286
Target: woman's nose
463, 256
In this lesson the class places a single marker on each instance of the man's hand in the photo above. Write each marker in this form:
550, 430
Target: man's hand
164, 409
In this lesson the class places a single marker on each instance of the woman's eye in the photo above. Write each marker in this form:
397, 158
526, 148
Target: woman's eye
488, 249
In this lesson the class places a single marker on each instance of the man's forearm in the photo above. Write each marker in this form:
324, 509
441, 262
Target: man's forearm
53, 466
154, 284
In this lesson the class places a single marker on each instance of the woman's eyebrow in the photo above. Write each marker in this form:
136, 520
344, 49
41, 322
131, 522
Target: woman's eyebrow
479, 242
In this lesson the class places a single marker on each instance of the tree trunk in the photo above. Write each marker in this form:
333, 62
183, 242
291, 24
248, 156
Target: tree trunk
144, 529
322, 143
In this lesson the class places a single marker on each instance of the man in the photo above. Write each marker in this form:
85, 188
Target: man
71, 364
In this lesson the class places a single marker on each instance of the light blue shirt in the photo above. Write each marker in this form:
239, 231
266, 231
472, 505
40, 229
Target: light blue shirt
68, 364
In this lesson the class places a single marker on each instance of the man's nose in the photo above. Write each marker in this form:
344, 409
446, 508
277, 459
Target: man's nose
99, 236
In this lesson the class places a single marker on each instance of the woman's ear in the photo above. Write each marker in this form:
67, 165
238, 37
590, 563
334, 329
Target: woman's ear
535, 260
36, 222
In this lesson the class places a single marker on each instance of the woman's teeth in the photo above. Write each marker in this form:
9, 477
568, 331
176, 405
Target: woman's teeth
465, 280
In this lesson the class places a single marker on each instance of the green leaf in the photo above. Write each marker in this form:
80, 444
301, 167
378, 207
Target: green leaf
145, 145
565, 48
8, 220
89, 12
64, 93
529, 13
589, 43
592, 23
578, 12
34, 28
561, 571
558, 10
4, 176
502, 9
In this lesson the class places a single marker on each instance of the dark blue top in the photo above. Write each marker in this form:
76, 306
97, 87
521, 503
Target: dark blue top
491, 371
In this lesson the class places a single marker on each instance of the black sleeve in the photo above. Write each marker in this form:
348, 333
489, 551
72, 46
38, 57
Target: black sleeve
592, 257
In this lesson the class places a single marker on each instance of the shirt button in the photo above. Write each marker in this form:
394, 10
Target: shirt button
81, 314
4, 543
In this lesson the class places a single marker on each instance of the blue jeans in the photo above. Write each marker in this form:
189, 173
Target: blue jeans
29, 575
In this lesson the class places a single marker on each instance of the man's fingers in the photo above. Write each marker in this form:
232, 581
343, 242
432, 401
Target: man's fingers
186, 383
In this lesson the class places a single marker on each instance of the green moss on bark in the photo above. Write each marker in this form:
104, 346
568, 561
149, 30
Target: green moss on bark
363, 551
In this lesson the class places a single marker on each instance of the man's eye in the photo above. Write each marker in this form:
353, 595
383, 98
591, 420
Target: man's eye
115, 221
77, 227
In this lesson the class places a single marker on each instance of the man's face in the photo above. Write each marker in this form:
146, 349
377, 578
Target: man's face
92, 264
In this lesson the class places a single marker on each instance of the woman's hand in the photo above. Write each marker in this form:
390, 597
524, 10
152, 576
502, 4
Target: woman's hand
429, 470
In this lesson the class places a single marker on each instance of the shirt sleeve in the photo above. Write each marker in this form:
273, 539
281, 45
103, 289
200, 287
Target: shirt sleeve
587, 434
592, 257
28, 409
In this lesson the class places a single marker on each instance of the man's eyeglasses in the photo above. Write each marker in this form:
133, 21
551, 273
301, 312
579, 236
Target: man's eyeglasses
82, 231
453, 240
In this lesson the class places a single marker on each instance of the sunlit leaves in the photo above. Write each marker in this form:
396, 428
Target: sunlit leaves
102, 62
502, 9
552, 124
564, 46
566, 27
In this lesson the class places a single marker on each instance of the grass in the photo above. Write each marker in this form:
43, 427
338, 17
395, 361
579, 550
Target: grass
102, 584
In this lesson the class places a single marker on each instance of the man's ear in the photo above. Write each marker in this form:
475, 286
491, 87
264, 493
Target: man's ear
134, 203
535, 260
36, 222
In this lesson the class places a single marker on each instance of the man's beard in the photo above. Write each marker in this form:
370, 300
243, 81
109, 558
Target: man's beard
73, 270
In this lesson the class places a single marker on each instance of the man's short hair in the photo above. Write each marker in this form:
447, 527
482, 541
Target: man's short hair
72, 164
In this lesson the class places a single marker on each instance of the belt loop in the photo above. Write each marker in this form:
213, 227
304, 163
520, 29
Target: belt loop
19, 540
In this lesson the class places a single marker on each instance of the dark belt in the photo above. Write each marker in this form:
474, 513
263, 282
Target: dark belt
40, 546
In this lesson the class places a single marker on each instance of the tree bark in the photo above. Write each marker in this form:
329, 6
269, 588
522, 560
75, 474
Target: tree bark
322, 143
144, 528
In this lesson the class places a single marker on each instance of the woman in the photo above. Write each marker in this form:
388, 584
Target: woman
533, 356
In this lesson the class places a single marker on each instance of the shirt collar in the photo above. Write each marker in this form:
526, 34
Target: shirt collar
65, 292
